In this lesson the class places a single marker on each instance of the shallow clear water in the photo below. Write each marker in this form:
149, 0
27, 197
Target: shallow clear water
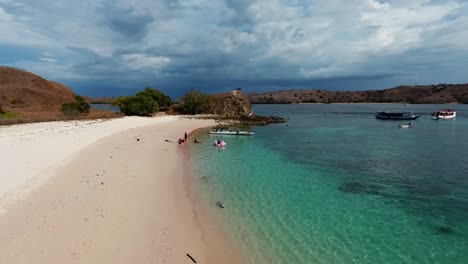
335, 185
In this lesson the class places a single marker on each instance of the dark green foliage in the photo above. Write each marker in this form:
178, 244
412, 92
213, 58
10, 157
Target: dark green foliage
161, 99
194, 102
144, 103
140, 105
79, 106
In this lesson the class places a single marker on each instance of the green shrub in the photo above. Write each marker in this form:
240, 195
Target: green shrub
160, 98
144, 103
79, 106
9, 115
140, 105
194, 102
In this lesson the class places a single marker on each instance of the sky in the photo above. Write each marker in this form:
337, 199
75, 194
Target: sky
115, 47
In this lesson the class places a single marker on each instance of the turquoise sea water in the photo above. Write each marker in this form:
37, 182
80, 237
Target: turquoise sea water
335, 185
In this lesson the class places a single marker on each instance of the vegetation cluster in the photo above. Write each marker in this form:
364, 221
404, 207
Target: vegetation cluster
144, 103
195, 102
78, 107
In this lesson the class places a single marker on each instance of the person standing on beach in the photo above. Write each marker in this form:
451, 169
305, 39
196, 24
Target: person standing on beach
185, 136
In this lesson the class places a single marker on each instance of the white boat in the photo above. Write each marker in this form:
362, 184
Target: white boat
229, 132
444, 114
405, 125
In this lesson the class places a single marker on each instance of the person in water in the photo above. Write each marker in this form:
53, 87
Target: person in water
180, 141
219, 142
196, 141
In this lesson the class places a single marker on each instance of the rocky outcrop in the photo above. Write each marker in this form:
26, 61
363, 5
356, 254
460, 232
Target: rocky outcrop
234, 108
252, 120
232, 104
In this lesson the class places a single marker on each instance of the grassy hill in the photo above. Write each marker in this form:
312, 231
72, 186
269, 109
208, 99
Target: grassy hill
26, 97
28, 94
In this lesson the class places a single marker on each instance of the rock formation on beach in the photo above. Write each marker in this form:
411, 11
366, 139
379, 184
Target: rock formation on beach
419, 94
231, 104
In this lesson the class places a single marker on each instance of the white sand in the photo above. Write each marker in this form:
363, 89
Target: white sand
109, 198
30, 153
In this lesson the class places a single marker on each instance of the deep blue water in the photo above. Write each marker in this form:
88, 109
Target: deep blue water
335, 185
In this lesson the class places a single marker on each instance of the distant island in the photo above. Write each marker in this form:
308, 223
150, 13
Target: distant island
418, 94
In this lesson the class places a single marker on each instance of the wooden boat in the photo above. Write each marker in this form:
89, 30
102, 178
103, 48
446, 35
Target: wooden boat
396, 116
229, 132
444, 114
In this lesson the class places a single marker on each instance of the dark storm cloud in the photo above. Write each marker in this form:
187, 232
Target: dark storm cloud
125, 21
106, 46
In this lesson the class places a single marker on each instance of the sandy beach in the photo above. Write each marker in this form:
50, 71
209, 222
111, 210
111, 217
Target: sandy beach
110, 191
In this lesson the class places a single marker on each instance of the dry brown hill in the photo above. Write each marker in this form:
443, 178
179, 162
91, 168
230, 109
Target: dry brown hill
441, 93
26, 93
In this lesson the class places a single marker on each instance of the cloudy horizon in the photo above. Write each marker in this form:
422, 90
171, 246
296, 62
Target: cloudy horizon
113, 47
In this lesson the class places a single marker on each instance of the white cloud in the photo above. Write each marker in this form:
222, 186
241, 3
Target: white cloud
50, 70
139, 61
4, 15
48, 59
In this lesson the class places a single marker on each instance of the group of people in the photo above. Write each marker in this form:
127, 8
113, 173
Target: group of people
181, 141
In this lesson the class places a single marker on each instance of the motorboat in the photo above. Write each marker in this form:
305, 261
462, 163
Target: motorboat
396, 116
444, 114
225, 131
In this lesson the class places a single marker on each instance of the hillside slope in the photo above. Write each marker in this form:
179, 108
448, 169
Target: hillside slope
27, 93
441, 93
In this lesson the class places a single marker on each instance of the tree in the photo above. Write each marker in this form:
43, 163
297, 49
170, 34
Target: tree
144, 103
160, 98
194, 102
120, 102
141, 105
79, 106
